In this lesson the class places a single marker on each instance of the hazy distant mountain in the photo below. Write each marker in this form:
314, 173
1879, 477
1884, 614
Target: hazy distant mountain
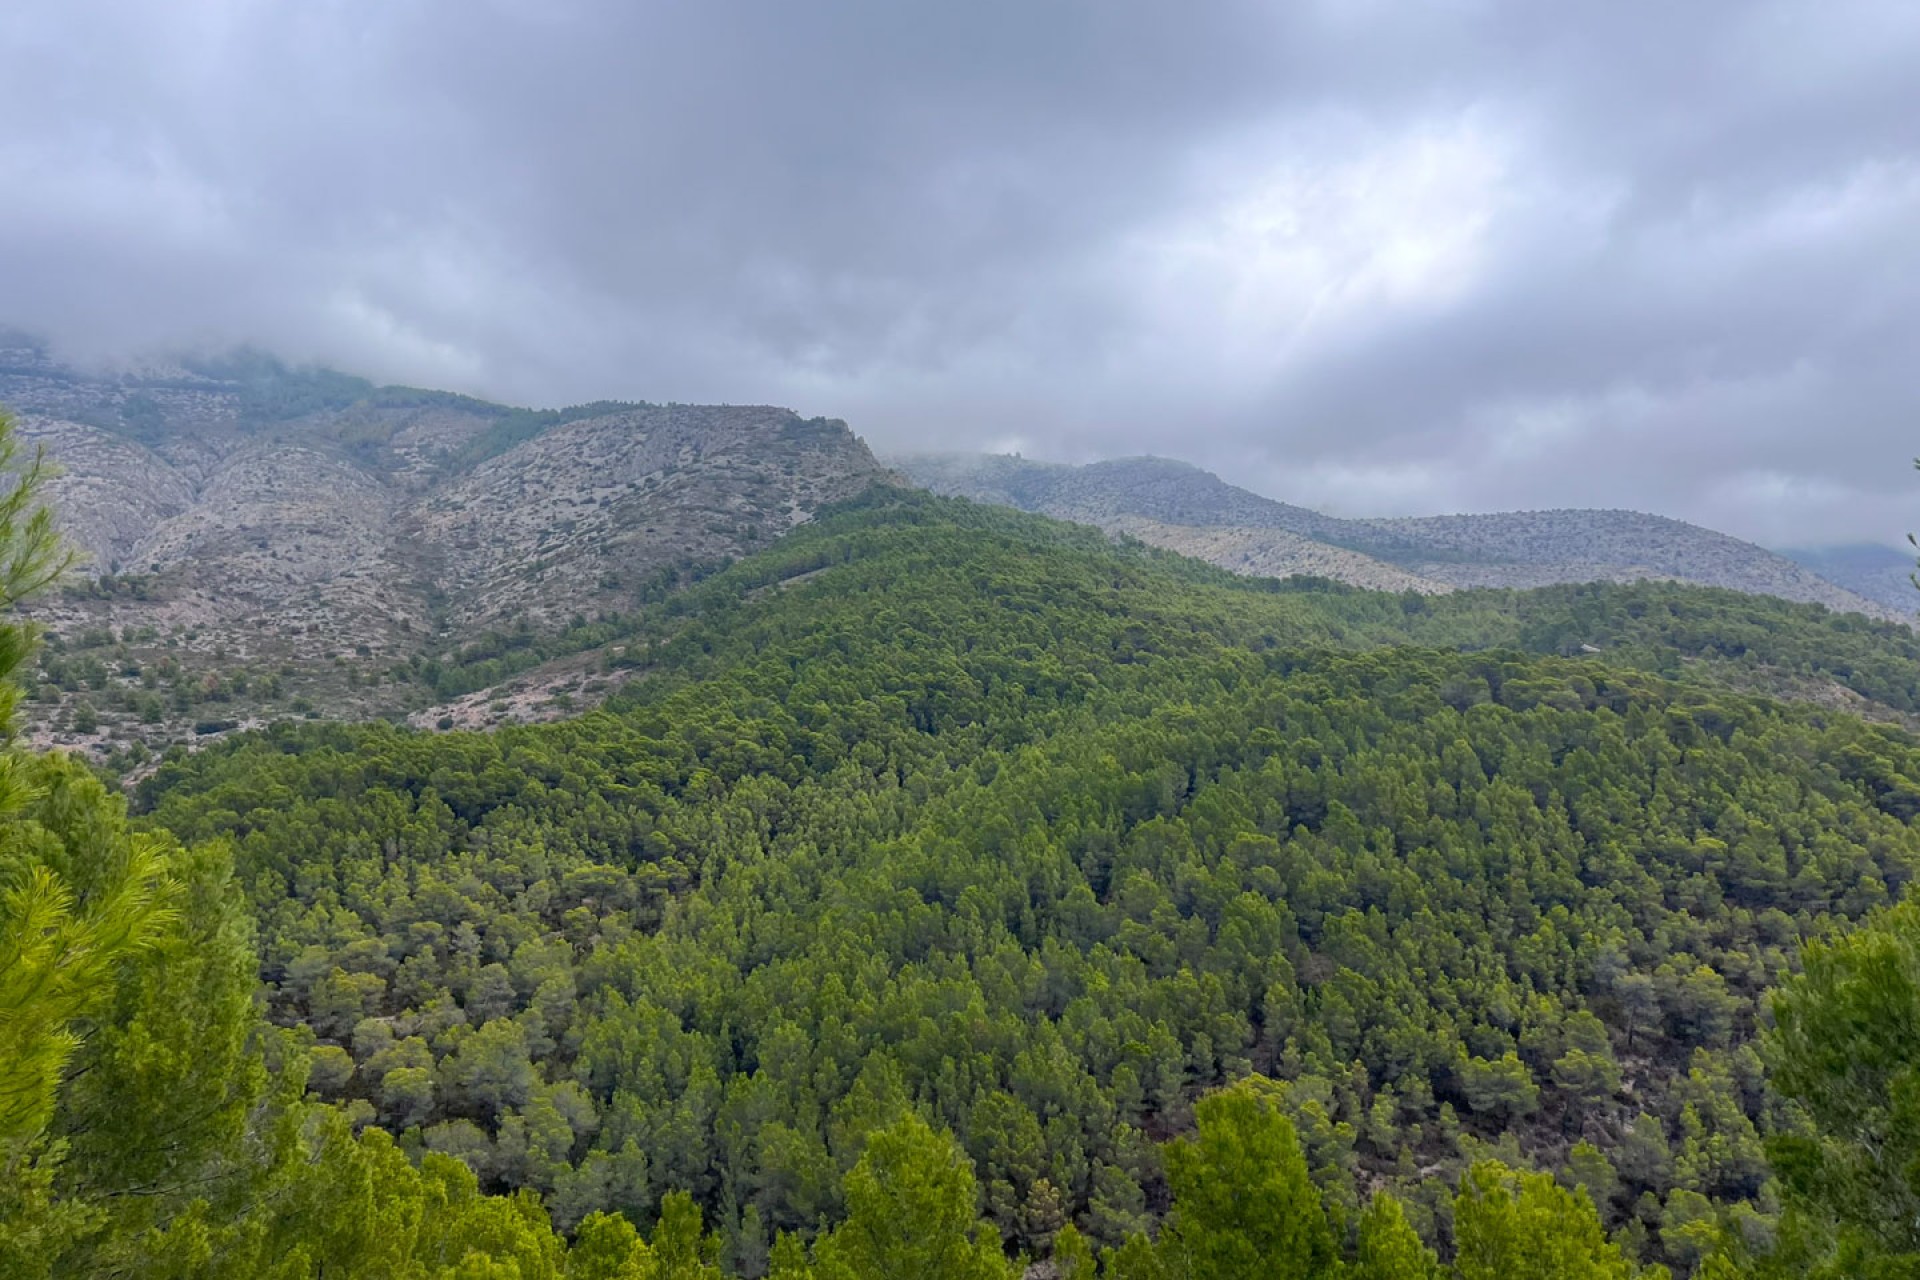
1194, 511
243, 517
1874, 571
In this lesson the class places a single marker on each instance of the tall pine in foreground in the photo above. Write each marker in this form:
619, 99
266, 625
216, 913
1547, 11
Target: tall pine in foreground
1244, 1208
151, 1122
133, 1068
1845, 1048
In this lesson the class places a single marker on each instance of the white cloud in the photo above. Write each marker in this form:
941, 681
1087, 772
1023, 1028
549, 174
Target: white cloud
1476, 254
1311, 236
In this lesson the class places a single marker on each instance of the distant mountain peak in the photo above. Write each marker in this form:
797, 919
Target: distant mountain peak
1188, 509
1880, 573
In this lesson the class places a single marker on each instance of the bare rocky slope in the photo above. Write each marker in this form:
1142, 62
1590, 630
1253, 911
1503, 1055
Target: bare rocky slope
1186, 509
1273, 553
256, 538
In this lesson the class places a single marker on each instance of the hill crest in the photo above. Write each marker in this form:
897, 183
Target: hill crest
245, 517
1185, 508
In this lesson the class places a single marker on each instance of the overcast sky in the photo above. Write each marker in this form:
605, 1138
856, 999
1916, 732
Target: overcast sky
1374, 257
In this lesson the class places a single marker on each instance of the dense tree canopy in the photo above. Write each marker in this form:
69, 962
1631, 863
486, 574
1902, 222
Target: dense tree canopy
949, 887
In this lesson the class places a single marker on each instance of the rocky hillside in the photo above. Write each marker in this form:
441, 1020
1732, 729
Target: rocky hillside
1186, 509
1273, 553
258, 540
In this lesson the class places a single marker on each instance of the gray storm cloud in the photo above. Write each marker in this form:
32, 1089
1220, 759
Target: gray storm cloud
1372, 256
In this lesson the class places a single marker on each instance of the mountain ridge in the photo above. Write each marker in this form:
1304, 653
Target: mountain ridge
1196, 508
269, 542
243, 523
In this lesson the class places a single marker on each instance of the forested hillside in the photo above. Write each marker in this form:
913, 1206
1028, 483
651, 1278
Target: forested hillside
950, 890
885, 542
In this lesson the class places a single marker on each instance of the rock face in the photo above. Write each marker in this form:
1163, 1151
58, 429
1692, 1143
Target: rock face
1274, 553
237, 516
565, 522
1186, 509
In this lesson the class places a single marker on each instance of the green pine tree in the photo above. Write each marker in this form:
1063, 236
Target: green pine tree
1243, 1206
